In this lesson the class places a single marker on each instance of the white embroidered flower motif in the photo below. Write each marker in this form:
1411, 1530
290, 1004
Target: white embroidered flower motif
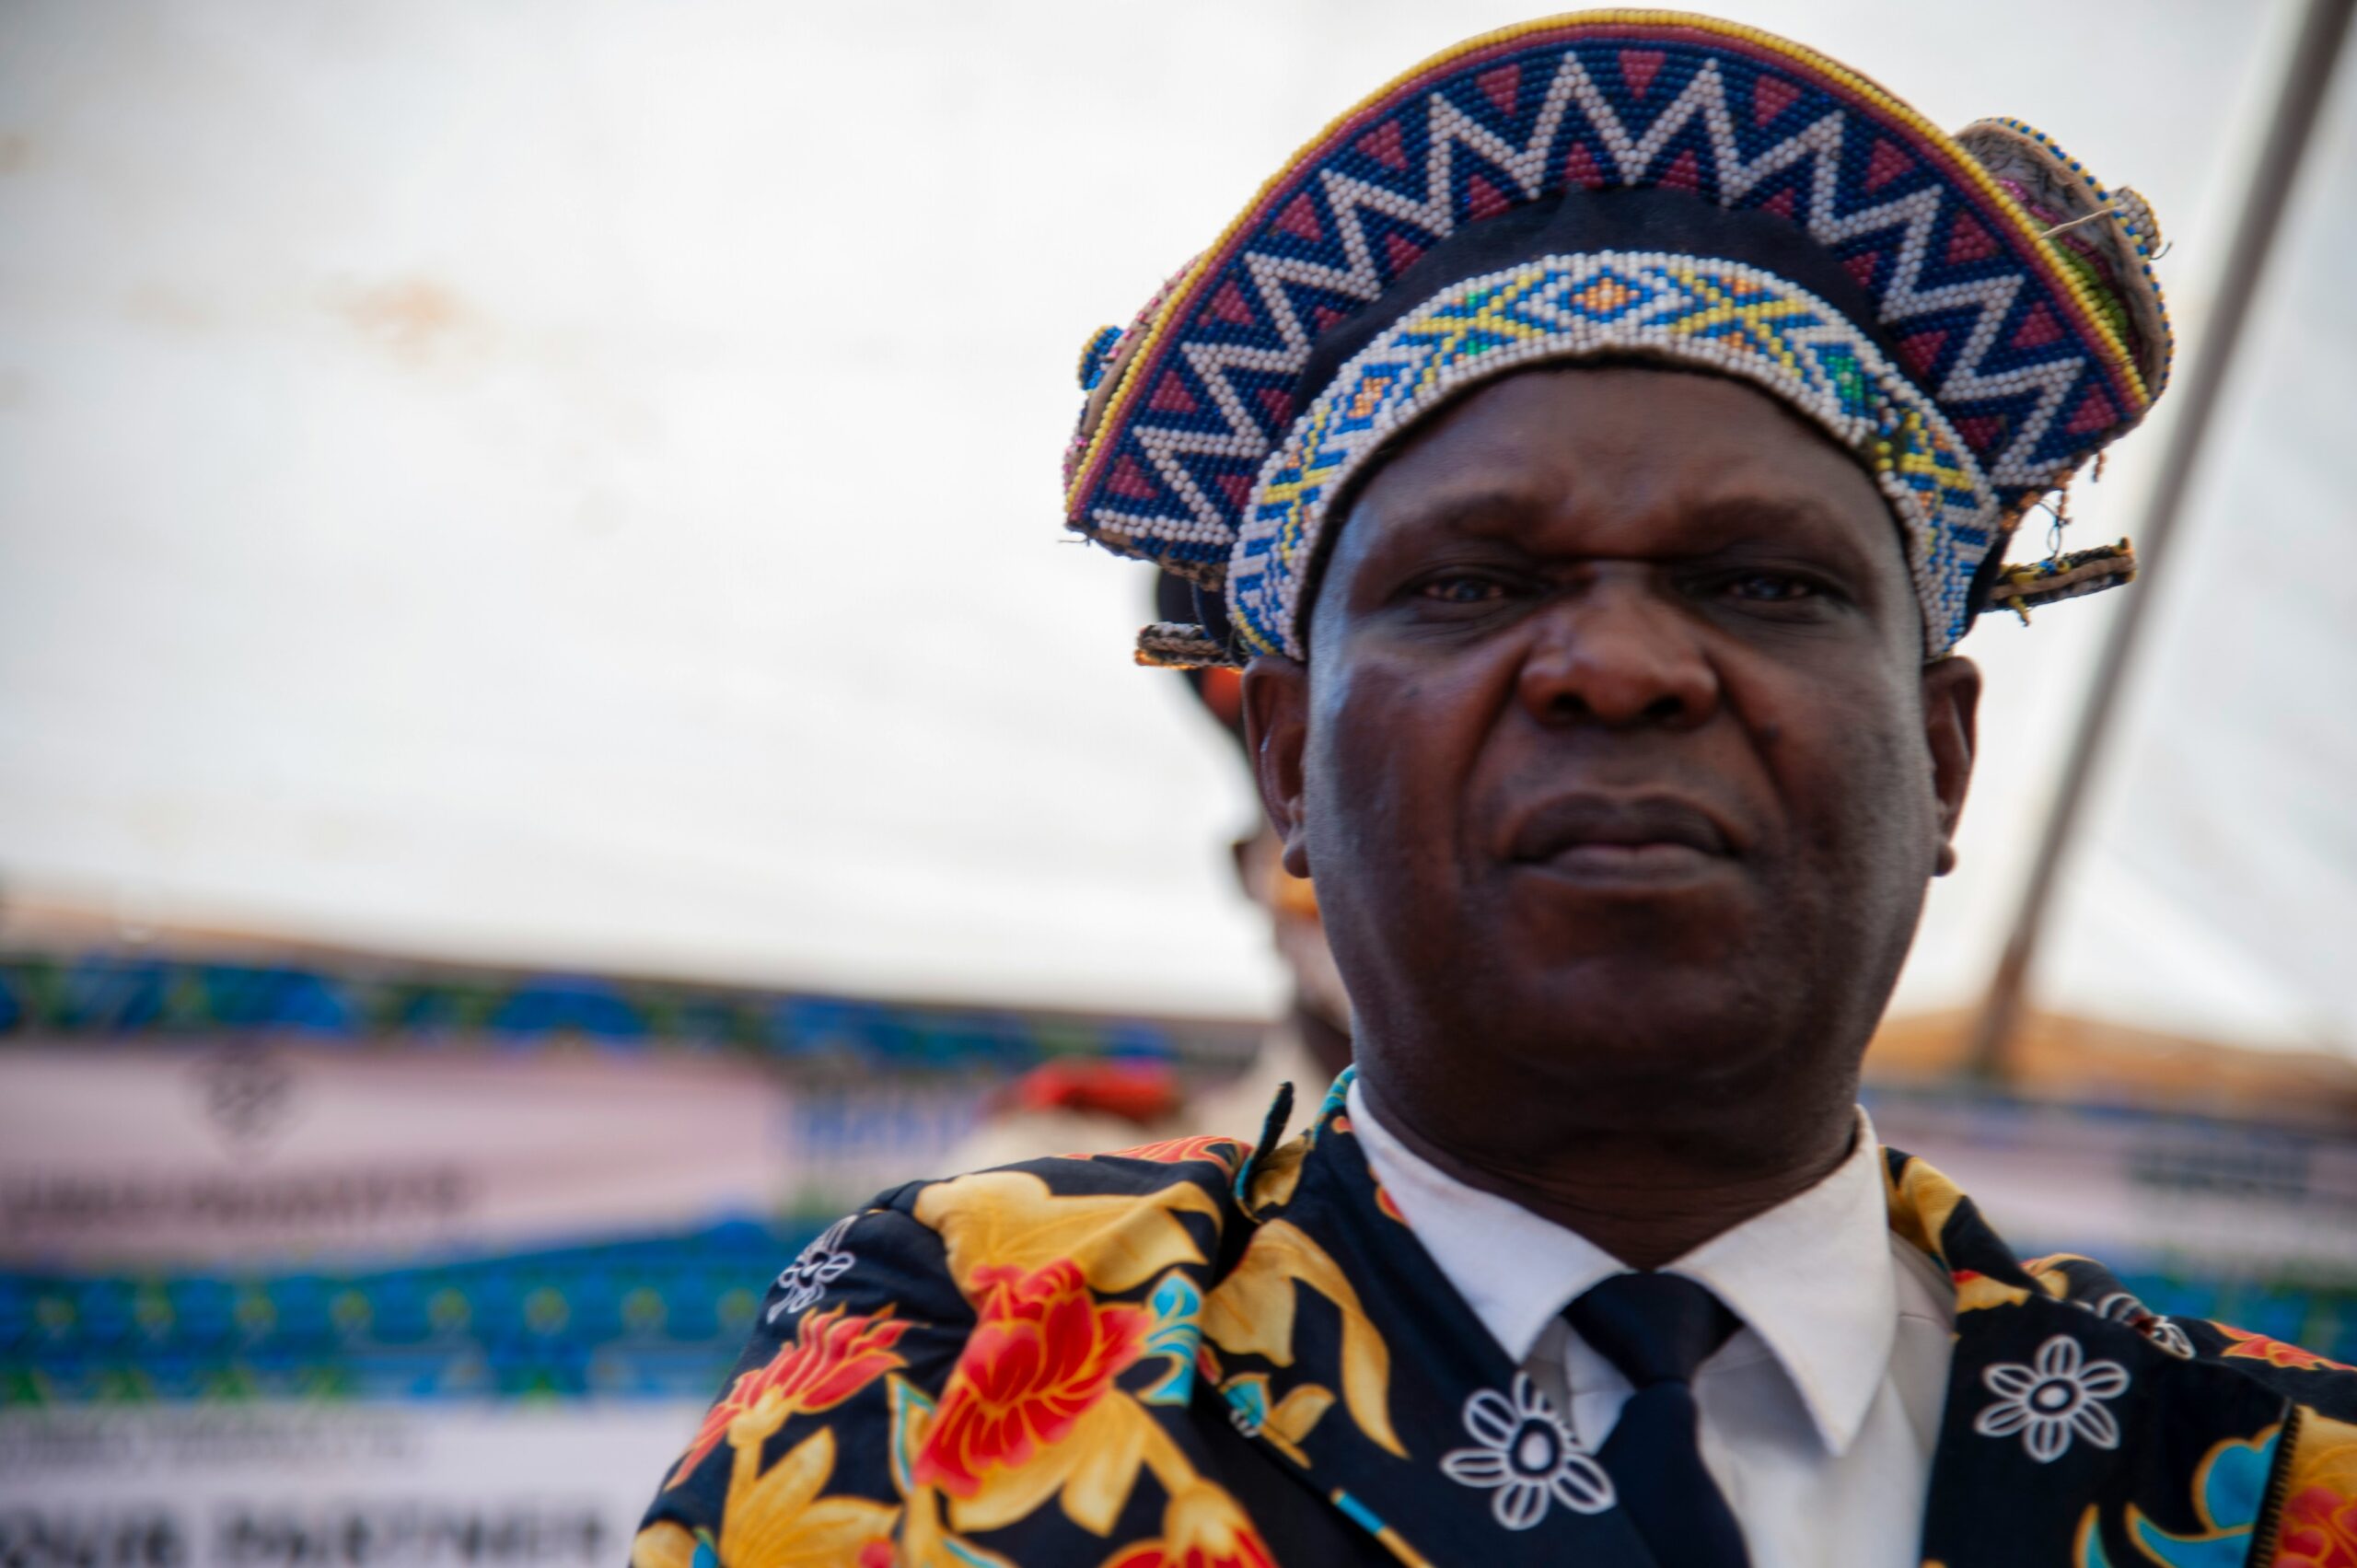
2124, 1309
815, 1268
1527, 1456
2050, 1402
2170, 1337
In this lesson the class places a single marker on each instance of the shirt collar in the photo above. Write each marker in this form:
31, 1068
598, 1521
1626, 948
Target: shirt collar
1811, 1277
1470, 1233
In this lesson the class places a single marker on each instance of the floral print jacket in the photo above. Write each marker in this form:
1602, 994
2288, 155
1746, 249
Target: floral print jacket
1194, 1355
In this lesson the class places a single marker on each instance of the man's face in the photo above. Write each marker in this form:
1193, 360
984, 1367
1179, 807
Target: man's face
1615, 759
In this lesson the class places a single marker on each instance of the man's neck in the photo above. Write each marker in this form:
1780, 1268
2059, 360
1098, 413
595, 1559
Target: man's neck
1646, 1200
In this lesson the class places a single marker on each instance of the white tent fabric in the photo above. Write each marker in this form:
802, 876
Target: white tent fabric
575, 484
2217, 892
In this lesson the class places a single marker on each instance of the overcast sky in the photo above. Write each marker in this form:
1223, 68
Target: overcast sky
575, 484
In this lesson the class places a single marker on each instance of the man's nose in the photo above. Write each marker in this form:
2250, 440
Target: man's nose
1611, 650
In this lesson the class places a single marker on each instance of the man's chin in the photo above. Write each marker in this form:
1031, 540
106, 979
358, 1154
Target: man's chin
1666, 924
1647, 1019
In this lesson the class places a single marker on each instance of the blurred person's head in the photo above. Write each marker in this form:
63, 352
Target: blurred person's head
1318, 997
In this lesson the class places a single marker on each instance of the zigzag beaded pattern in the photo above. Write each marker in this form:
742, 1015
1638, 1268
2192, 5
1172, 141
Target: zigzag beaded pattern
2002, 334
1727, 317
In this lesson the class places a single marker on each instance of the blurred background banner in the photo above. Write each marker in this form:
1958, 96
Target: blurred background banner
287, 1485
246, 1154
325, 1259
329, 1259
549, 742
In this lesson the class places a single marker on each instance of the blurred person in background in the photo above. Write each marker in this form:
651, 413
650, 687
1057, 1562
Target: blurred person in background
1593, 446
1062, 1107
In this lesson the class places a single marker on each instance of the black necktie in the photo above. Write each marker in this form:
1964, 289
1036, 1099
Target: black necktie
1658, 1328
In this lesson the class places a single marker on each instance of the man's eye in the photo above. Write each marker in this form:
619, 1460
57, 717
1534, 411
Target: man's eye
1771, 587
1461, 589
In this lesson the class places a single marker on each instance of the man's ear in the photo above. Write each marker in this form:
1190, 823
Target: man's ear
1951, 717
1276, 728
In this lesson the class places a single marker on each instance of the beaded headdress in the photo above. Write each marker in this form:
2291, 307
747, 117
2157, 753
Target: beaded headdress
1974, 316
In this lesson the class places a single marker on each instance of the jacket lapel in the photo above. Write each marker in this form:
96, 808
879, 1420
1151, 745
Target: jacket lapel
2077, 1428
1338, 1343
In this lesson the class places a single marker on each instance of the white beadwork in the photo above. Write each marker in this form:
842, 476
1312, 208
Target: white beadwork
1943, 501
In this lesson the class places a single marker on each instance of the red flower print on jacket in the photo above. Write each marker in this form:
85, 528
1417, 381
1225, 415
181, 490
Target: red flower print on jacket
2277, 1352
1043, 1353
1221, 1151
831, 1358
2319, 1530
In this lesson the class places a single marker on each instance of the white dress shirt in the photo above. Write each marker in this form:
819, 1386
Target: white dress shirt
1818, 1415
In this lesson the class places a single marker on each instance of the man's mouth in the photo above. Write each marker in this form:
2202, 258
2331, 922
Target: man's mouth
1651, 838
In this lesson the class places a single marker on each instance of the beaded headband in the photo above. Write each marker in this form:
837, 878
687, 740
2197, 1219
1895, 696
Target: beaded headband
1727, 317
2005, 325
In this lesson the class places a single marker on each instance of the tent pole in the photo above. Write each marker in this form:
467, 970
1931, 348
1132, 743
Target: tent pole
2298, 96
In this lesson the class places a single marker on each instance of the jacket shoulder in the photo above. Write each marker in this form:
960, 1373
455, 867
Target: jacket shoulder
861, 1335
2303, 1376
803, 1433
1113, 1220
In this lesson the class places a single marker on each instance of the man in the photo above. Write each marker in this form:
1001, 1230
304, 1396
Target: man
1596, 443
